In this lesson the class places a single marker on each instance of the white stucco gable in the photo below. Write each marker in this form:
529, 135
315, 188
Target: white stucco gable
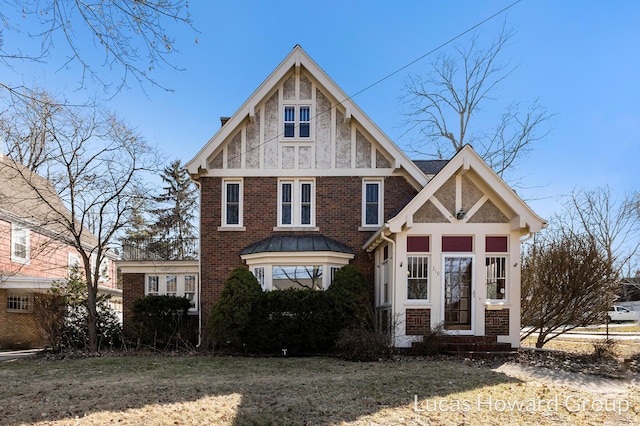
342, 140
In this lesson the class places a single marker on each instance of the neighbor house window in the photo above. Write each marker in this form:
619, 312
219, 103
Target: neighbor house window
296, 203
372, 203
74, 264
180, 285
232, 203
496, 277
297, 121
417, 277
20, 247
19, 302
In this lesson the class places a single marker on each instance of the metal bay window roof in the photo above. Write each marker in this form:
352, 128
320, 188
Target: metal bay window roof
297, 243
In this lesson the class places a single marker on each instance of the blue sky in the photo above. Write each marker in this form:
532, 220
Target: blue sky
580, 59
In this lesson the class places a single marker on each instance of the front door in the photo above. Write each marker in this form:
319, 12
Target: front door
458, 290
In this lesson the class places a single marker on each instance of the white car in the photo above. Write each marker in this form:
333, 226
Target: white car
620, 313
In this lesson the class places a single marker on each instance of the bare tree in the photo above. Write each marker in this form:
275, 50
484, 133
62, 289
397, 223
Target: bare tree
26, 126
614, 224
566, 282
571, 276
132, 35
95, 165
445, 102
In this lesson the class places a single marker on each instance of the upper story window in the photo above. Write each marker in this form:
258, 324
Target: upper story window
296, 203
372, 205
20, 244
232, 203
297, 121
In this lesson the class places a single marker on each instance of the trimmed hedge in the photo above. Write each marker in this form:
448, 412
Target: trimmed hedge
298, 320
162, 319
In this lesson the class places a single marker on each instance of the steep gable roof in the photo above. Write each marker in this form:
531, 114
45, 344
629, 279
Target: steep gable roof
298, 58
519, 214
30, 199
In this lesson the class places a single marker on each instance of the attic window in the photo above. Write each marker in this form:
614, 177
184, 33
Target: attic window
297, 121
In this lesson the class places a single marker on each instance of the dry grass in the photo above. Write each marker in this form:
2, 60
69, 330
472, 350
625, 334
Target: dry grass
263, 391
624, 348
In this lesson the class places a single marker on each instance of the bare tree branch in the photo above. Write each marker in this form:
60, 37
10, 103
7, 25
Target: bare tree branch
445, 102
133, 35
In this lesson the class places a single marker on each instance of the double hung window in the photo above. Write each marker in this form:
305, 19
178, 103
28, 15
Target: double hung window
20, 246
296, 203
232, 203
372, 203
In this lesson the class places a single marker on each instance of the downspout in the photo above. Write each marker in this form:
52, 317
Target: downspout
393, 283
199, 270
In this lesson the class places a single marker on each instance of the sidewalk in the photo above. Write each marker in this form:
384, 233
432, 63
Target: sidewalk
12, 355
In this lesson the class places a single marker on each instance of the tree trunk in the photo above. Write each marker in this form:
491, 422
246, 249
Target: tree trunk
92, 319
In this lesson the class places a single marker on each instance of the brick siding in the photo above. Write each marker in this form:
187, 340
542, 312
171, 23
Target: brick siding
133, 289
338, 216
417, 322
496, 323
18, 330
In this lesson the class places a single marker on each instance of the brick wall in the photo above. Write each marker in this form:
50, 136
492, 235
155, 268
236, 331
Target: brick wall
417, 322
338, 216
18, 330
133, 289
496, 323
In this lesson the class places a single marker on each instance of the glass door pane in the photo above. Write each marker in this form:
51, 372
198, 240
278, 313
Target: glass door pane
457, 292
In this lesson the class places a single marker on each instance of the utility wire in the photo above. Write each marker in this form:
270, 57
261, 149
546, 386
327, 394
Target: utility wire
404, 67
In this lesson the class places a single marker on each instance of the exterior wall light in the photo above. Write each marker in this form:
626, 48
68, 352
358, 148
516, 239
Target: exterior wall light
461, 214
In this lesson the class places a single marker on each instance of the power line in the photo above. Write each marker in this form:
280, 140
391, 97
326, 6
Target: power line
402, 68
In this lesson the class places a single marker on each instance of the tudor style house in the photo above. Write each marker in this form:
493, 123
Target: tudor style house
34, 253
299, 182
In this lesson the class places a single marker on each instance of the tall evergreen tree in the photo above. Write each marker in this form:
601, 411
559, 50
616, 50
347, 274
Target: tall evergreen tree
176, 210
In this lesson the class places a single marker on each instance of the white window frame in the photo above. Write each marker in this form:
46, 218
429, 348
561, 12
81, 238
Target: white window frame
147, 281
23, 300
22, 233
73, 259
225, 220
425, 258
297, 121
296, 202
492, 276
180, 286
378, 182
259, 273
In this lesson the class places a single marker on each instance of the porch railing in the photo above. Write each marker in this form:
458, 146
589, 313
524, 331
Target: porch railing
160, 249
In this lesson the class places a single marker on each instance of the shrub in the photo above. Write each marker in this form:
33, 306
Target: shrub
363, 344
162, 319
352, 293
432, 341
606, 349
62, 316
232, 316
301, 321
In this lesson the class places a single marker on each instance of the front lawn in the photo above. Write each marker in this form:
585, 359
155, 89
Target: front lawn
197, 390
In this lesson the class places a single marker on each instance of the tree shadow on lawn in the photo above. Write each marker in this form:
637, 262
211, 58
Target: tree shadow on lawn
226, 390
